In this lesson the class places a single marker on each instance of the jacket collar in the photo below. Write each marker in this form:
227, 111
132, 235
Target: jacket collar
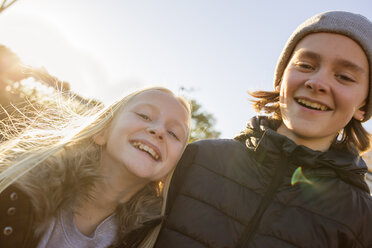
261, 137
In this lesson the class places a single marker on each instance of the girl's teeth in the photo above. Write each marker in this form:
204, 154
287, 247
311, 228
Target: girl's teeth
146, 149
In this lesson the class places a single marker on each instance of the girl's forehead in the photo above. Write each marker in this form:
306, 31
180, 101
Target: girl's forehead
160, 101
154, 97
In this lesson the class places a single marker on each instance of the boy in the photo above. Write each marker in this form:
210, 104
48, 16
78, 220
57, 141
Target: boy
294, 178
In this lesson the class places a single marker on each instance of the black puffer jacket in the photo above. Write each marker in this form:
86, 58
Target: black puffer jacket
263, 190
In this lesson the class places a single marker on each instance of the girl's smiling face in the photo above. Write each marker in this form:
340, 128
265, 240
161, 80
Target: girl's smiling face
324, 86
147, 137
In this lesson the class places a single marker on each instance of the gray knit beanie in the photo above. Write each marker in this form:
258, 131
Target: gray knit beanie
354, 26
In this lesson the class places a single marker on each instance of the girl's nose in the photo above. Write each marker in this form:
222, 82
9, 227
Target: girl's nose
156, 131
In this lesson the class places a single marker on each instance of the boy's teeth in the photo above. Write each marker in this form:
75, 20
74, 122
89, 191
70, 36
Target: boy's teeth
313, 105
147, 149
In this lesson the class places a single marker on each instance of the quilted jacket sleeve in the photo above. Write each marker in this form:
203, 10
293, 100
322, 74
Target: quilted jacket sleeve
178, 176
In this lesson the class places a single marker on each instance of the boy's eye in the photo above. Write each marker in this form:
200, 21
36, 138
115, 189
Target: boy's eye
173, 135
345, 78
305, 66
143, 116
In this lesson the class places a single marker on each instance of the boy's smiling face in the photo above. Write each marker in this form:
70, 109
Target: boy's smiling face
324, 86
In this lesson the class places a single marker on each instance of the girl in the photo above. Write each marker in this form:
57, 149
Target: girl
294, 178
92, 180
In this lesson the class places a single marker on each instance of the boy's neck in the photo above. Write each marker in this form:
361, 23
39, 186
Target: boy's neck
316, 144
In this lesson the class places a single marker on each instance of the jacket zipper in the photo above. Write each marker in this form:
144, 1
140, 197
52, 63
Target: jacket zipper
245, 237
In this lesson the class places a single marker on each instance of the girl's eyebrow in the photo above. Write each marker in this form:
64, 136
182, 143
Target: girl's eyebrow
155, 108
140, 105
343, 62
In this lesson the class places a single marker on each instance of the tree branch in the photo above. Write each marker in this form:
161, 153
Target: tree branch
4, 6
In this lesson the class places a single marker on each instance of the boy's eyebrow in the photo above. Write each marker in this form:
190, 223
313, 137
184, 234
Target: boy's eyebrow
351, 65
345, 63
308, 54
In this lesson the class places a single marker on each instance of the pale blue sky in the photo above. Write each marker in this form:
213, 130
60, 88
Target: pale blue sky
219, 48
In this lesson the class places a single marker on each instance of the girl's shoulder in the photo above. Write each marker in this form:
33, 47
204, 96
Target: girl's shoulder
17, 217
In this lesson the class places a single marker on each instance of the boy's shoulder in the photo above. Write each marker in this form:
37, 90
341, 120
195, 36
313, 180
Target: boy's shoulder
216, 144
214, 151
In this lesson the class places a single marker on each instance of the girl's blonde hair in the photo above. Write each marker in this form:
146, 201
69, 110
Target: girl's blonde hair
353, 134
64, 132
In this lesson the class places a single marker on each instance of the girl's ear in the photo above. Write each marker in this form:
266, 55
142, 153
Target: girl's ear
360, 112
277, 87
100, 138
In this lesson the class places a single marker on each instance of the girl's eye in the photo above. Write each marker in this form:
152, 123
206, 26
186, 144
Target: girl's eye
173, 135
143, 116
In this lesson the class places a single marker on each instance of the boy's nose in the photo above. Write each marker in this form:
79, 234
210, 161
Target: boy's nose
318, 85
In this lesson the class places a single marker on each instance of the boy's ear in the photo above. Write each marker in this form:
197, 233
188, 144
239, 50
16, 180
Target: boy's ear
360, 112
100, 138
